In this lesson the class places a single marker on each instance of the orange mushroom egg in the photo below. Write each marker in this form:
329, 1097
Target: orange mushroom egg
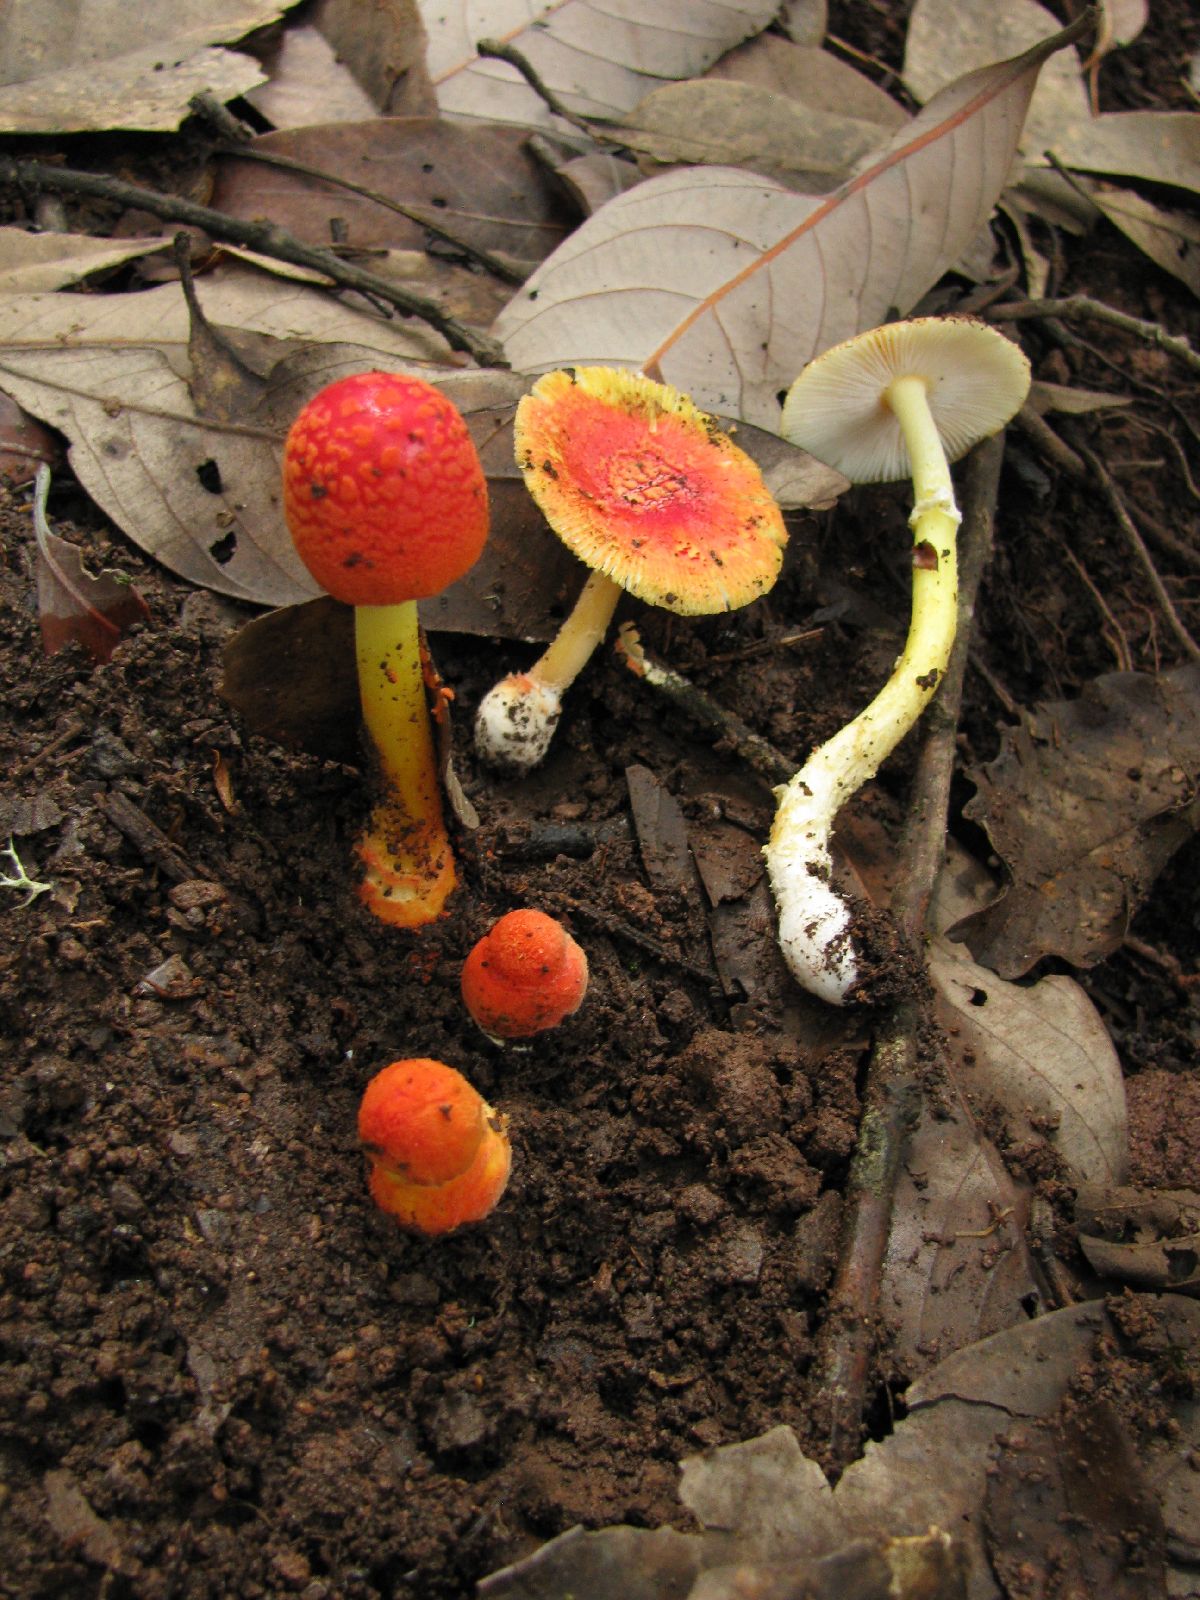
439, 1155
524, 976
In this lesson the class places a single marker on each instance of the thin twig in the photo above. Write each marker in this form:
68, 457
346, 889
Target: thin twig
1082, 308
266, 238
891, 1092
1038, 430
500, 50
1138, 545
1115, 632
702, 710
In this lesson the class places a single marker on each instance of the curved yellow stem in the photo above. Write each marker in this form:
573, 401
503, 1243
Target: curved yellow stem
405, 849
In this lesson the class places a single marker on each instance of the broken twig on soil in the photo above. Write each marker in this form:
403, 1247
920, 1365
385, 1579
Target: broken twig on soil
265, 237
1082, 308
1138, 545
891, 1093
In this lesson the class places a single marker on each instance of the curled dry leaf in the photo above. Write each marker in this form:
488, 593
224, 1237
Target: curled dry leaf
75, 607
1149, 1238
1157, 146
599, 60
39, 263
1086, 804
725, 284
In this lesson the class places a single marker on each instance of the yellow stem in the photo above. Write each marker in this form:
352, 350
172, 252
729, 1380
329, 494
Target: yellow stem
405, 848
565, 657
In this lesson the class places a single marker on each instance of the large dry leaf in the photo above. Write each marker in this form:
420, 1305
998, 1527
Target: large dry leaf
1042, 1055
810, 76
1158, 146
479, 182
70, 66
263, 305
382, 45
599, 59
773, 1525
308, 83
1086, 804
725, 284
711, 123
949, 37
39, 263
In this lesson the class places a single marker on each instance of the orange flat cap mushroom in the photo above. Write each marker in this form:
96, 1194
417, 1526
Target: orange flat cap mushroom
387, 504
439, 1155
647, 491
525, 975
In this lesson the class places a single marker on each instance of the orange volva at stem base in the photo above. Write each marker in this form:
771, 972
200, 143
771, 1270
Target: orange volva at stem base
405, 849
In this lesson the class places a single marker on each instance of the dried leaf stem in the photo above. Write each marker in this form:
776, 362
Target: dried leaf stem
891, 1093
266, 238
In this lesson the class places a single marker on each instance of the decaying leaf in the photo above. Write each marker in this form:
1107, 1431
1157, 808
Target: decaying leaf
1149, 1238
307, 83
946, 38
481, 183
1158, 146
379, 47
1085, 806
810, 77
39, 263
1072, 402
1170, 237
774, 1527
1056, 1474
77, 67
725, 284
711, 123
75, 607
600, 61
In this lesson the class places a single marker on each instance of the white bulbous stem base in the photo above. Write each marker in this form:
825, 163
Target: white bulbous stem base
815, 932
516, 719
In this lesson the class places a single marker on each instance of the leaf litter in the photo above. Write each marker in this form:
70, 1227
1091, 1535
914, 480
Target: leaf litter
1032, 1092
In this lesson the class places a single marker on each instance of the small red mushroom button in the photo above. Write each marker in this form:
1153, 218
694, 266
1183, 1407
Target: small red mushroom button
524, 976
438, 1155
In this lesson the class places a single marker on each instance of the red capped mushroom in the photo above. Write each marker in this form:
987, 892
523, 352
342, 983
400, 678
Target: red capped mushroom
525, 975
646, 490
387, 504
439, 1156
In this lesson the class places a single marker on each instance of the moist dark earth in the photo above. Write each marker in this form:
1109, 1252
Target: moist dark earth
224, 1373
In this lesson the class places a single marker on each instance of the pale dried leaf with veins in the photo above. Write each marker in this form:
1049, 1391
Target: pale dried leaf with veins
725, 284
39, 263
600, 59
810, 76
69, 67
949, 37
1158, 146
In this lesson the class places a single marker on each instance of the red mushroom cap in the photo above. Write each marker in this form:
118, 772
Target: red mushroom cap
525, 975
644, 487
383, 490
439, 1155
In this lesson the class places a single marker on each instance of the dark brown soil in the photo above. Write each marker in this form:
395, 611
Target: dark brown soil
224, 1373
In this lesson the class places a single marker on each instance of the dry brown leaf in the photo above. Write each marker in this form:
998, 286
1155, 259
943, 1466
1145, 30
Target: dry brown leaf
39, 263
1086, 804
774, 1527
308, 83
1171, 238
804, 21
725, 284
599, 60
1158, 146
949, 37
810, 76
711, 123
383, 45
479, 182
75, 606
1149, 1238
73, 66
1045, 397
